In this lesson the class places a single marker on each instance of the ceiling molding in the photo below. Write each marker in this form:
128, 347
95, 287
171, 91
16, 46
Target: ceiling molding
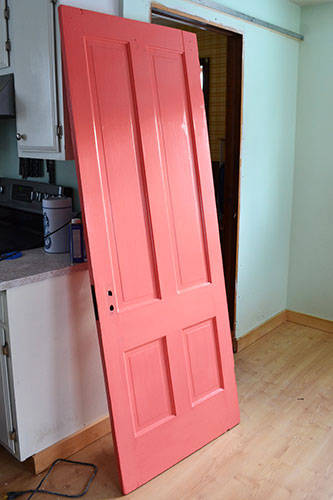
304, 3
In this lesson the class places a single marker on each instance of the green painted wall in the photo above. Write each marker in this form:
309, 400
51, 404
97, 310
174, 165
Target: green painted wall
268, 142
268, 139
311, 252
280, 12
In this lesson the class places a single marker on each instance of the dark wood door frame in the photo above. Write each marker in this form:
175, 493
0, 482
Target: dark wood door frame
229, 242
232, 168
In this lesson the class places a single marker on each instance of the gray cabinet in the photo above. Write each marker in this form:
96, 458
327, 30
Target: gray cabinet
41, 131
4, 57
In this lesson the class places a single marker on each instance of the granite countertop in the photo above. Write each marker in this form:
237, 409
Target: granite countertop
35, 265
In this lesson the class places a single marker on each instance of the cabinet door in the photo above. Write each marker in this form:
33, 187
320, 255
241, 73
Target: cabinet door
35, 78
55, 363
6, 423
3, 36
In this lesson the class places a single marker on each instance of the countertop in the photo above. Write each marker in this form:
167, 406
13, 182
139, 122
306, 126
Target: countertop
35, 265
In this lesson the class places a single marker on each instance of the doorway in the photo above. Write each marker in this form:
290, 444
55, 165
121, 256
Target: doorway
220, 53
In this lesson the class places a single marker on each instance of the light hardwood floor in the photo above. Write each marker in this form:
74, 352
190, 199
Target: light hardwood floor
282, 449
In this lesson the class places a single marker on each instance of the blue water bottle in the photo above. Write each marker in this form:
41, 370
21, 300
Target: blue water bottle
76, 241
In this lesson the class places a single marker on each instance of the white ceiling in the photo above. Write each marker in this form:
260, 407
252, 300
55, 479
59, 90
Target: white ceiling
311, 2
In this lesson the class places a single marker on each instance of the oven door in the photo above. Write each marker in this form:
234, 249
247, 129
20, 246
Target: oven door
20, 230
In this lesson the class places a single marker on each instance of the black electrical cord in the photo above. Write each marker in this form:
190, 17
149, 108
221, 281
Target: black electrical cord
31, 245
14, 494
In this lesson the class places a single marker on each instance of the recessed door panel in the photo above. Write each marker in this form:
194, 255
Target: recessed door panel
180, 168
115, 111
203, 360
148, 375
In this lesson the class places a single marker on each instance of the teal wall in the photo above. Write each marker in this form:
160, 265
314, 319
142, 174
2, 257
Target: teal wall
268, 146
9, 162
267, 150
280, 12
311, 252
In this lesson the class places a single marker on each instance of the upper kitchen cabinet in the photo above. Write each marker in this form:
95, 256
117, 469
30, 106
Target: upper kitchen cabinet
4, 40
40, 121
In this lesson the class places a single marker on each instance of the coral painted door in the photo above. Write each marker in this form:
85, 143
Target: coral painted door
144, 168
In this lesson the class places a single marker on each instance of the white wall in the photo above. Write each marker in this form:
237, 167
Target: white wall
311, 252
104, 6
279, 12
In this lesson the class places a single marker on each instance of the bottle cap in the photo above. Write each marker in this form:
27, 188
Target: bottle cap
55, 202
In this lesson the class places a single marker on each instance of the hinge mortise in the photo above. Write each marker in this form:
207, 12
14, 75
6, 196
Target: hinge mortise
59, 130
5, 350
12, 435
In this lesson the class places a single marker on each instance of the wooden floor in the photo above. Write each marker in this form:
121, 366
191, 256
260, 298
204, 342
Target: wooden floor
283, 448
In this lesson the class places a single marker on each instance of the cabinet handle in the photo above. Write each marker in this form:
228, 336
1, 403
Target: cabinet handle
20, 136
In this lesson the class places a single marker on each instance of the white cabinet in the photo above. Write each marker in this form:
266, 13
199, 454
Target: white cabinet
4, 58
41, 118
54, 371
41, 130
6, 417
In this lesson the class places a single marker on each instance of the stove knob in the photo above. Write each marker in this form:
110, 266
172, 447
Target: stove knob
36, 196
2, 189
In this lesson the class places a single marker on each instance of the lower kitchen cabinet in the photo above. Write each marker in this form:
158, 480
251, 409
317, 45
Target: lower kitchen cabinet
6, 420
51, 378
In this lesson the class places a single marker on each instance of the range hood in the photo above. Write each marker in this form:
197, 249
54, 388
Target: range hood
7, 100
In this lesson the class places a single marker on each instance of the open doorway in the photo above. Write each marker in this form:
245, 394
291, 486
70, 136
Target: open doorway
220, 53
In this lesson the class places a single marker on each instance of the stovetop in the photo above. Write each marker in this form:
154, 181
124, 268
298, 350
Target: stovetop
26, 195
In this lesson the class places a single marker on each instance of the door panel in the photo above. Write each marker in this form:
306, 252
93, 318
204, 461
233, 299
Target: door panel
203, 360
173, 117
149, 384
146, 188
135, 266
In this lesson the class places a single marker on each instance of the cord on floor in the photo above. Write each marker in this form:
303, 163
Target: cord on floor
11, 495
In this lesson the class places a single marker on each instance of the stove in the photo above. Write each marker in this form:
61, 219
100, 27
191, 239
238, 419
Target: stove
21, 214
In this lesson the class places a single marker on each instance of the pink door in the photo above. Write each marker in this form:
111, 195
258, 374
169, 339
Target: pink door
144, 168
